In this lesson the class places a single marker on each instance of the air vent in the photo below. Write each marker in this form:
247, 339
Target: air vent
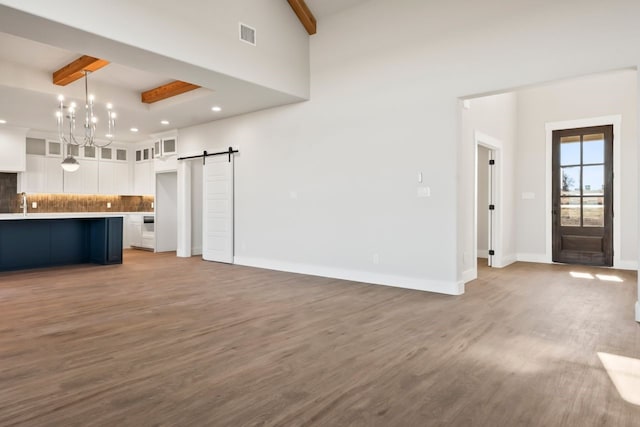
247, 34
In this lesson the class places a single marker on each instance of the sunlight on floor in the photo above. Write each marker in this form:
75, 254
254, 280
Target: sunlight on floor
625, 375
603, 277
581, 275
609, 278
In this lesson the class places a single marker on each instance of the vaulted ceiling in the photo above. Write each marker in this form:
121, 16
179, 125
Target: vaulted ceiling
29, 97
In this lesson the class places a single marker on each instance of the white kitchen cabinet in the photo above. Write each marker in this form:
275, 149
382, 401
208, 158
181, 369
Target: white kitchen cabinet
53, 175
144, 178
134, 230
13, 144
106, 178
121, 178
84, 180
33, 179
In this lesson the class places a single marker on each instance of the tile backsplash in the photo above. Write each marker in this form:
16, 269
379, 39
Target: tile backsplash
8, 189
52, 203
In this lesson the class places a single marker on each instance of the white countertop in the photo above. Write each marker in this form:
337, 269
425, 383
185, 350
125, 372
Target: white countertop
60, 215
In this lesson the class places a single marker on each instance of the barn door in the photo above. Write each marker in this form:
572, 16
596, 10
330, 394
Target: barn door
217, 218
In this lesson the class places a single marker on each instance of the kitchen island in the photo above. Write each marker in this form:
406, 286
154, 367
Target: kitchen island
46, 240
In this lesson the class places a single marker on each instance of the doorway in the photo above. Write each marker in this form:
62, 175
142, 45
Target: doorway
166, 221
488, 201
484, 202
582, 196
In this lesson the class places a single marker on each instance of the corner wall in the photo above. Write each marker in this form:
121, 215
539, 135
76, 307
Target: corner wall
607, 94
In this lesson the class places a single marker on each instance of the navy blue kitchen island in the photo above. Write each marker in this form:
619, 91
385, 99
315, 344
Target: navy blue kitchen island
47, 241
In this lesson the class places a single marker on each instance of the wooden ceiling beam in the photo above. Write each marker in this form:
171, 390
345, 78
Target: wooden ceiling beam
75, 70
166, 91
304, 15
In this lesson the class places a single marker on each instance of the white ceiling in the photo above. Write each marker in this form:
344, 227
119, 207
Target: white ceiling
323, 8
29, 97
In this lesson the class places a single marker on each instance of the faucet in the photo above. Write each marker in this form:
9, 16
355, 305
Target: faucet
24, 203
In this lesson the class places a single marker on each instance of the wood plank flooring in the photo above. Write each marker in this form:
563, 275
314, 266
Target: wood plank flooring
164, 341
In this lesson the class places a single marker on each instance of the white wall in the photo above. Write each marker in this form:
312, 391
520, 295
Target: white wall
201, 33
594, 96
323, 186
483, 202
13, 156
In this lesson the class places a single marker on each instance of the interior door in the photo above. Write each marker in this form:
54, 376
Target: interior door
583, 196
217, 220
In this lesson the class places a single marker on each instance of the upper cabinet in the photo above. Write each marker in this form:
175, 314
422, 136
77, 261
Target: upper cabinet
103, 170
165, 147
12, 149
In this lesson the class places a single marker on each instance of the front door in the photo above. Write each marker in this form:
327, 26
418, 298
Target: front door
583, 196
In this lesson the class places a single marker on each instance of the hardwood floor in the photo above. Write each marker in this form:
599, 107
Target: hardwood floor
181, 342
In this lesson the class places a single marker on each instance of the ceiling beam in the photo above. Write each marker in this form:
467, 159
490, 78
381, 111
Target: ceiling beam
304, 15
75, 70
166, 91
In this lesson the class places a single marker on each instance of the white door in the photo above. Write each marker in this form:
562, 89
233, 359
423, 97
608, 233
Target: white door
217, 218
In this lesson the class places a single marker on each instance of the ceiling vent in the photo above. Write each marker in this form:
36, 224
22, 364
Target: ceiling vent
247, 34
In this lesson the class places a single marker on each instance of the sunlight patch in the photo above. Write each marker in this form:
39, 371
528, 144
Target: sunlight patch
625, 375
609, 278
581, 275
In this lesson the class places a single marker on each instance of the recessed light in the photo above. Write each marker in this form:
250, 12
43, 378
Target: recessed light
2, 121
164, 122
134, 129
216, 109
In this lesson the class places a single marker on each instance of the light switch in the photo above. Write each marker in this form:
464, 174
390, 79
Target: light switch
424, 192
420, 177
108, 205
34, 205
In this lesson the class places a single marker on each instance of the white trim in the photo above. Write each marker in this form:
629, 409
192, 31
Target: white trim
469, 275
539, 258
542, 259
627, 265
184, 210
502, 262
495, 145
438, 286
616, 121
196, 250
637, 311
483, 253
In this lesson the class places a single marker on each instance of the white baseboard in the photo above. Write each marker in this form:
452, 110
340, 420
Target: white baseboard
540, 258
469, 275
196, 250
483, 253
626, 265
637, 311
504, 261
438, 286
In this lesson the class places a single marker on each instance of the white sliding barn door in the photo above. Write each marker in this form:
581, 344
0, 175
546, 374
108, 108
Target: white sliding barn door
217, 218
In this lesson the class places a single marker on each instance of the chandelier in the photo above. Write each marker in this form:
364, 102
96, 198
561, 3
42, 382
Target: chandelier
89, 126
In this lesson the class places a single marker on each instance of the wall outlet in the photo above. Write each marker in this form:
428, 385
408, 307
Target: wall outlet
376, 259
108, 205
424, 192
34, 205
